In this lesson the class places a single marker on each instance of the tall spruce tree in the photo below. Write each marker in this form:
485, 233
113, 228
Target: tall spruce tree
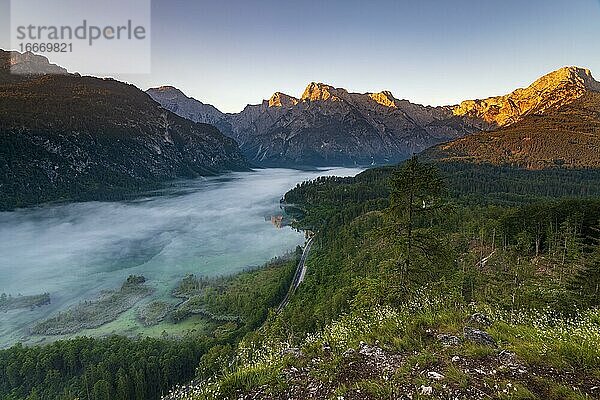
417, 190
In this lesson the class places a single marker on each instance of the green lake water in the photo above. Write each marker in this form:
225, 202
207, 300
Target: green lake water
212, 226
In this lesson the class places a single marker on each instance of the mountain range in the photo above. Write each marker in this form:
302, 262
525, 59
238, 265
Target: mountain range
331, 126
64, 136
326, 126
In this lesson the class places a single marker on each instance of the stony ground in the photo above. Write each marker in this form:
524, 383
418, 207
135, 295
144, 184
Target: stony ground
465, 365
370, 372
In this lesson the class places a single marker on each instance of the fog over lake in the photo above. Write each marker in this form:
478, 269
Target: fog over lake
211, 226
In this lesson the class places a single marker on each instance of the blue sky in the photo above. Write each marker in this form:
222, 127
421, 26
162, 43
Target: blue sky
231, 53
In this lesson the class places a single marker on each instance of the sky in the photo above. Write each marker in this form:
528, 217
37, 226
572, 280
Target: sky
230, 53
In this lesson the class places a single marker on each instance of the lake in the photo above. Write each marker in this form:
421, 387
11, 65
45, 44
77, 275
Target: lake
210, 227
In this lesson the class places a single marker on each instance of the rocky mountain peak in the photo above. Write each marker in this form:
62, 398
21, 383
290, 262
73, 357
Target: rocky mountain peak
166, 88
385, 98
187, 107
28, 64
332, 126
321, 92
576, 76
167, 92
547, 93
282, 100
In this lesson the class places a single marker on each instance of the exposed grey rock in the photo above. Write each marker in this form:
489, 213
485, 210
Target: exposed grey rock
177, 102
32, 64
326, 126
478, 336
435, 375
448, 340
426, 390
349, 353
508, 358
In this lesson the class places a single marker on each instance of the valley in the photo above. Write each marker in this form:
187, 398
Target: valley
211, 227
337, 244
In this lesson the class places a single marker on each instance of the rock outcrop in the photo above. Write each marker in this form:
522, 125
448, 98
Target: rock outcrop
546, 94
282, 100
478, 336
568, 137
31, 64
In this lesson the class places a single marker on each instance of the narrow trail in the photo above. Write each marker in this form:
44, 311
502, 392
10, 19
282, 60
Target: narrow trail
298, 276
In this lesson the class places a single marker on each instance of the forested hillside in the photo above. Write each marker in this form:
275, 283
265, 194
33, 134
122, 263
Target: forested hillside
430, 283
68, 137
446, 280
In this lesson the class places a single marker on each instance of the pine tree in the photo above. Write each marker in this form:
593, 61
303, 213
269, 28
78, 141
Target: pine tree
587, 282
101, 390
122, 386
417, 191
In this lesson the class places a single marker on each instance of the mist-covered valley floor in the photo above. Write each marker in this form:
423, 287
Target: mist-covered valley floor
77, 252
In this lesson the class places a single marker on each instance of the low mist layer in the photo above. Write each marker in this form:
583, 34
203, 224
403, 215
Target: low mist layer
213, 226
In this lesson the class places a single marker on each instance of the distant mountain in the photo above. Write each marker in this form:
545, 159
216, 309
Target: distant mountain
16, 67
175, 101
72, 137
330, 126
555, 122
